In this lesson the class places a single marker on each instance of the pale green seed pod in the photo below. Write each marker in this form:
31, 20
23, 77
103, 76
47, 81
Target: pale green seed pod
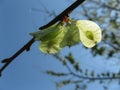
90, 32
71, 36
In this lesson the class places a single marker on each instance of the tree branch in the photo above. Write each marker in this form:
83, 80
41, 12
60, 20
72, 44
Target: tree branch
89, 78
27, 46
82, 76
63, 14
7, 61
93, 78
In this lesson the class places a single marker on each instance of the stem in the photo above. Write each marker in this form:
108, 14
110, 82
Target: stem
27, 46
9, 60
63, 14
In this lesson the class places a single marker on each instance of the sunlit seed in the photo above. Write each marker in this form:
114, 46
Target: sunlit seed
89, 35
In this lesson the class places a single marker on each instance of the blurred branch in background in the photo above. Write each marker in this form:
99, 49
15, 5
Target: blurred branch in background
27, 46
107, 15
45, 10
79, 76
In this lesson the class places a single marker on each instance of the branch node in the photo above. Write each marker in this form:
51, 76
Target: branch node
28, 45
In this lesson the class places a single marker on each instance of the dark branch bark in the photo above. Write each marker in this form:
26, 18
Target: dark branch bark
27, 46
63, 14
7, 61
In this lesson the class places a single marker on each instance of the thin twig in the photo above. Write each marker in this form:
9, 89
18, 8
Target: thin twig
7, 61
93, 78
27, 46
82, 76
87, 77
63, 14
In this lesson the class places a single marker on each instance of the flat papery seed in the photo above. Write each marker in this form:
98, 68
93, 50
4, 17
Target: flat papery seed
89, 35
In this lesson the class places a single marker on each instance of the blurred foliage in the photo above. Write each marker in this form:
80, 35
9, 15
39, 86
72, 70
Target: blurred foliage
107, 14
80, 78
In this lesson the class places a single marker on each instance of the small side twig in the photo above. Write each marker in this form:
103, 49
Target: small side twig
70, 72
26, 47
7, 61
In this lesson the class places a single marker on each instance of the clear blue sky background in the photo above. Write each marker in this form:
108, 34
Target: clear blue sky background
17, 19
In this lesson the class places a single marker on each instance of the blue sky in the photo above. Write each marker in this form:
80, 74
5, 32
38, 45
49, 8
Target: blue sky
26, 72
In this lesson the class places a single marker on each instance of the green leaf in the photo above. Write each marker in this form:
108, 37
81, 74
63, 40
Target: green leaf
90, 32
48, 33
57, 36
52, 73
52, 45
71, 36
76, 66
70, 58
49, 47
